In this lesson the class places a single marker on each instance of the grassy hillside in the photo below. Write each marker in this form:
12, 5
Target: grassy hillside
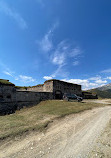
5, 82
38, 117
101, 93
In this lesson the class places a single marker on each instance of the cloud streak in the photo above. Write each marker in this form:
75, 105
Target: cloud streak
7, 10
25, 79
106, 71
59, 54
47, 77
75, 52
8, 72
5, 69
75, 63
21, 78
46, 44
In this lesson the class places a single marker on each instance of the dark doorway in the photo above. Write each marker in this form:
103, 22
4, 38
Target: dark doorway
58, 94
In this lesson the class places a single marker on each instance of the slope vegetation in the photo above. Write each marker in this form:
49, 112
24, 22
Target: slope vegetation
38, 117
102, 92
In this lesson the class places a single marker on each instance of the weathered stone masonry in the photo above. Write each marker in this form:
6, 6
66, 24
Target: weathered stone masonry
57, 87
13, 98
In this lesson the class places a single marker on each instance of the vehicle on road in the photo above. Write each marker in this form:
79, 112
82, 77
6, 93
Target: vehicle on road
69, 97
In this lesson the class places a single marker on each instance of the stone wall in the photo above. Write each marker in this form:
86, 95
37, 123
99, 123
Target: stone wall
38, 88
10, 97
58, 88
31, 96
28, 98
48, 86
11, 100
56, 85
7, 93
65, 87
7, 99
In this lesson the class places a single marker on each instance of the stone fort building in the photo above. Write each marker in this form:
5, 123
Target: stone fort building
57, 88
51, 89
13, 97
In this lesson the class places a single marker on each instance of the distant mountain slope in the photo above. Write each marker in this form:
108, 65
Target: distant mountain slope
106, 87
102, 92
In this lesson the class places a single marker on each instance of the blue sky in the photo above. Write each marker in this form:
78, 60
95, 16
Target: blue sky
62, 39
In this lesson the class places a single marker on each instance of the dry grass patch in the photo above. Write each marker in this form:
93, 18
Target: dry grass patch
38, 117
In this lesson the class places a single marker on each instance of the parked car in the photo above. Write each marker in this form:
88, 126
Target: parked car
72, 97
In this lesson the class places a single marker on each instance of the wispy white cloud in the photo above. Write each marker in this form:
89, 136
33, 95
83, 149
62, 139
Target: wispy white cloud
47, 77
25, 79
59, 54
8, 72
95, 78
109, 78
46, 44
5, 69
64, 51
60, 72
100, 81
75, 52
21, 78
75, 63
106, 71
58, 59
7, 10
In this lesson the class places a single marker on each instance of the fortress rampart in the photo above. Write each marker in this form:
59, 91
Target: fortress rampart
10, 96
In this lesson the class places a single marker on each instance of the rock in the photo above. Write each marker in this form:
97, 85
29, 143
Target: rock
39, 139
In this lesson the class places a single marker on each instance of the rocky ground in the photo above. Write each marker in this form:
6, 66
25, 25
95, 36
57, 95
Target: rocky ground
102, 148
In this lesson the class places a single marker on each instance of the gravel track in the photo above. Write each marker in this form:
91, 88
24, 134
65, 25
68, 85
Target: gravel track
71, 137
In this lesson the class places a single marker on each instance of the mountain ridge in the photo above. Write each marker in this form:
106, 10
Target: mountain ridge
102, 92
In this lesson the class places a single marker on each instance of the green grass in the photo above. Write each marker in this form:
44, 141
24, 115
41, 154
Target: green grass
6, 82
20, 87
38, 117
100, 93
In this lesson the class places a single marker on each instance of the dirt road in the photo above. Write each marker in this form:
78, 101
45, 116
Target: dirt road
102, 101
71, 137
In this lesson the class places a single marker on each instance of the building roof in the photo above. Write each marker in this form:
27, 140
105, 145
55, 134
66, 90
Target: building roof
6, 82
61, 81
